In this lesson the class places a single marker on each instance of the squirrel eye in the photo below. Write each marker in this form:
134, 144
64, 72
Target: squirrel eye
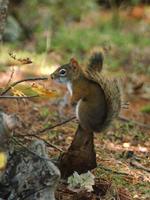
62, 72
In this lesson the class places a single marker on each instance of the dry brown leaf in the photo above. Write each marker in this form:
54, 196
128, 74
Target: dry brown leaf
23, 61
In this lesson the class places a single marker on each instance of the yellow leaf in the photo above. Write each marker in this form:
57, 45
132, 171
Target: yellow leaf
3, 160
44, 91
17, 92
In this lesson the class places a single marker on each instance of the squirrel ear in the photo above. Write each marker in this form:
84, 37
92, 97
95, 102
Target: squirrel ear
74, 63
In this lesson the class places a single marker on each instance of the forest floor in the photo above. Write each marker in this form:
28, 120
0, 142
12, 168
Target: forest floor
123, 151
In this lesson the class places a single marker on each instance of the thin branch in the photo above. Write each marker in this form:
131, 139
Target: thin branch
123, 118
56, 125
139, 166
18, 97
10, 78
32, 193
23, 80
46, 129
32, 152
49, 144
112, 171
18, 196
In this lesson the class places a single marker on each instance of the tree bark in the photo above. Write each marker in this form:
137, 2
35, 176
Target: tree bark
3, 15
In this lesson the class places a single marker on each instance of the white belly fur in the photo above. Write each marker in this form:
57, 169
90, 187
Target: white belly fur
77, 109
69, 86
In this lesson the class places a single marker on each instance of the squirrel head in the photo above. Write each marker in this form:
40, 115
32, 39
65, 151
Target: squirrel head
67, 72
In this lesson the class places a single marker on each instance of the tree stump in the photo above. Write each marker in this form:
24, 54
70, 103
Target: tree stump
80, 156
3, 15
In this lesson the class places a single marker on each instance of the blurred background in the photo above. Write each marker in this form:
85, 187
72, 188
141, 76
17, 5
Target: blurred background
48, 33
55, 30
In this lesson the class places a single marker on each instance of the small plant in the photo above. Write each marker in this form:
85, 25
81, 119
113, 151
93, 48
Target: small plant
146, 109
135, 2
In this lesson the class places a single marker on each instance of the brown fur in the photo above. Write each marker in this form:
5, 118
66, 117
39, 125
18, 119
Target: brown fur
99, 97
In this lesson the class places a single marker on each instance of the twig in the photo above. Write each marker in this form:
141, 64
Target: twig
112, 171
48, 128
49, 144
18, 196
56, 125
122, 118
32, 193
23, 80
139, 166
11, 76
18, 97
32, 152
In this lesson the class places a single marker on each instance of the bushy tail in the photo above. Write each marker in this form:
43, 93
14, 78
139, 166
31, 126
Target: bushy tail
112, 92
96, 61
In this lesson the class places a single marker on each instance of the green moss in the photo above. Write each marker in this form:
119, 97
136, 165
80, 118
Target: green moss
146, 109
